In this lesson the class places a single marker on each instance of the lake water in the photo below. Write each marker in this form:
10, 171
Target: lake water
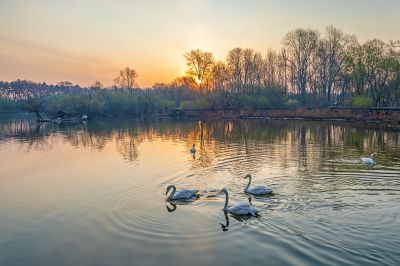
94, 193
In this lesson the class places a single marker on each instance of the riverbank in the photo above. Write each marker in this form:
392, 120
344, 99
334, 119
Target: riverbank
373, 114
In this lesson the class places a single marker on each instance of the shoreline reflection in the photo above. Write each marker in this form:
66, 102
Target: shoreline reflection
248, 138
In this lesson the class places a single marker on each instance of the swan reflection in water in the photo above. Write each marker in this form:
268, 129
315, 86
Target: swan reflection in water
240, 218
369, 160
169, 209
226, 225
173, 205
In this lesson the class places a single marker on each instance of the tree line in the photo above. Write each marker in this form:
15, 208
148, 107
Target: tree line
310, 69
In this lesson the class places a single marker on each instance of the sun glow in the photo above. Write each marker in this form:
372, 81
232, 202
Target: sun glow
198, 81
96, 43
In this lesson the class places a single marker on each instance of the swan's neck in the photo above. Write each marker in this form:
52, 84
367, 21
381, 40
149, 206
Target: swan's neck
172, 193
248, 184
226, 200
226, 219
226, 225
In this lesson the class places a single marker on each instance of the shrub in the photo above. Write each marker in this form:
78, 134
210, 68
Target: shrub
292, 103
361, 101
7, 105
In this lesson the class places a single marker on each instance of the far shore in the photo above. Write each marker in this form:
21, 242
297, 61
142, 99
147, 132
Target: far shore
387, 115
372, 114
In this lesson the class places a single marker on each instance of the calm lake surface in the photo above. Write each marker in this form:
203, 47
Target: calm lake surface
94, 193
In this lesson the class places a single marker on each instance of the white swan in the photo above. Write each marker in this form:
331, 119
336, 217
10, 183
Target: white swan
256, 190
239, 209
368, 160
181, 194
193, 149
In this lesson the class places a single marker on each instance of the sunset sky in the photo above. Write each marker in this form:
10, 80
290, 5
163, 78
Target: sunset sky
83, 41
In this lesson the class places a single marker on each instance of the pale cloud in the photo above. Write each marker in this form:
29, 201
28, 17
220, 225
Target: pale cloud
26, 57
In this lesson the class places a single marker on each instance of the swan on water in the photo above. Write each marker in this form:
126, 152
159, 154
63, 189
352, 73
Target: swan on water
368, 160
256, 190
193, 149
240, 218
180, 194
239, 209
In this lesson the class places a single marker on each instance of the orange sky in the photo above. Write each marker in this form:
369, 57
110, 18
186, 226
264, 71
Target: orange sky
84, 41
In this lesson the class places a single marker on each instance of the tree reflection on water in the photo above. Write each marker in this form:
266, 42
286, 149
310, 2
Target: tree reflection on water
252, 139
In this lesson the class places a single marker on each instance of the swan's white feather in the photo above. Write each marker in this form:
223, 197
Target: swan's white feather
243, 209
184, 194
259, 190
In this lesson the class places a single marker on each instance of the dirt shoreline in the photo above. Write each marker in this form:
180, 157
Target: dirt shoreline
376, 115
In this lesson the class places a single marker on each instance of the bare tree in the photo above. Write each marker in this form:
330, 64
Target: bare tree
126, 79
200, 66
381, 66
184, 82
234, 61
270, 65
301, 46
221, 84
248, 68
330, 59
258, 63
66, 84
97, 85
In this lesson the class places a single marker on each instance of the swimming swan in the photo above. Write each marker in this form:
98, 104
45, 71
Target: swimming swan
181, 194
256, 190
240, 218
193, 149
239, 209
368, 160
